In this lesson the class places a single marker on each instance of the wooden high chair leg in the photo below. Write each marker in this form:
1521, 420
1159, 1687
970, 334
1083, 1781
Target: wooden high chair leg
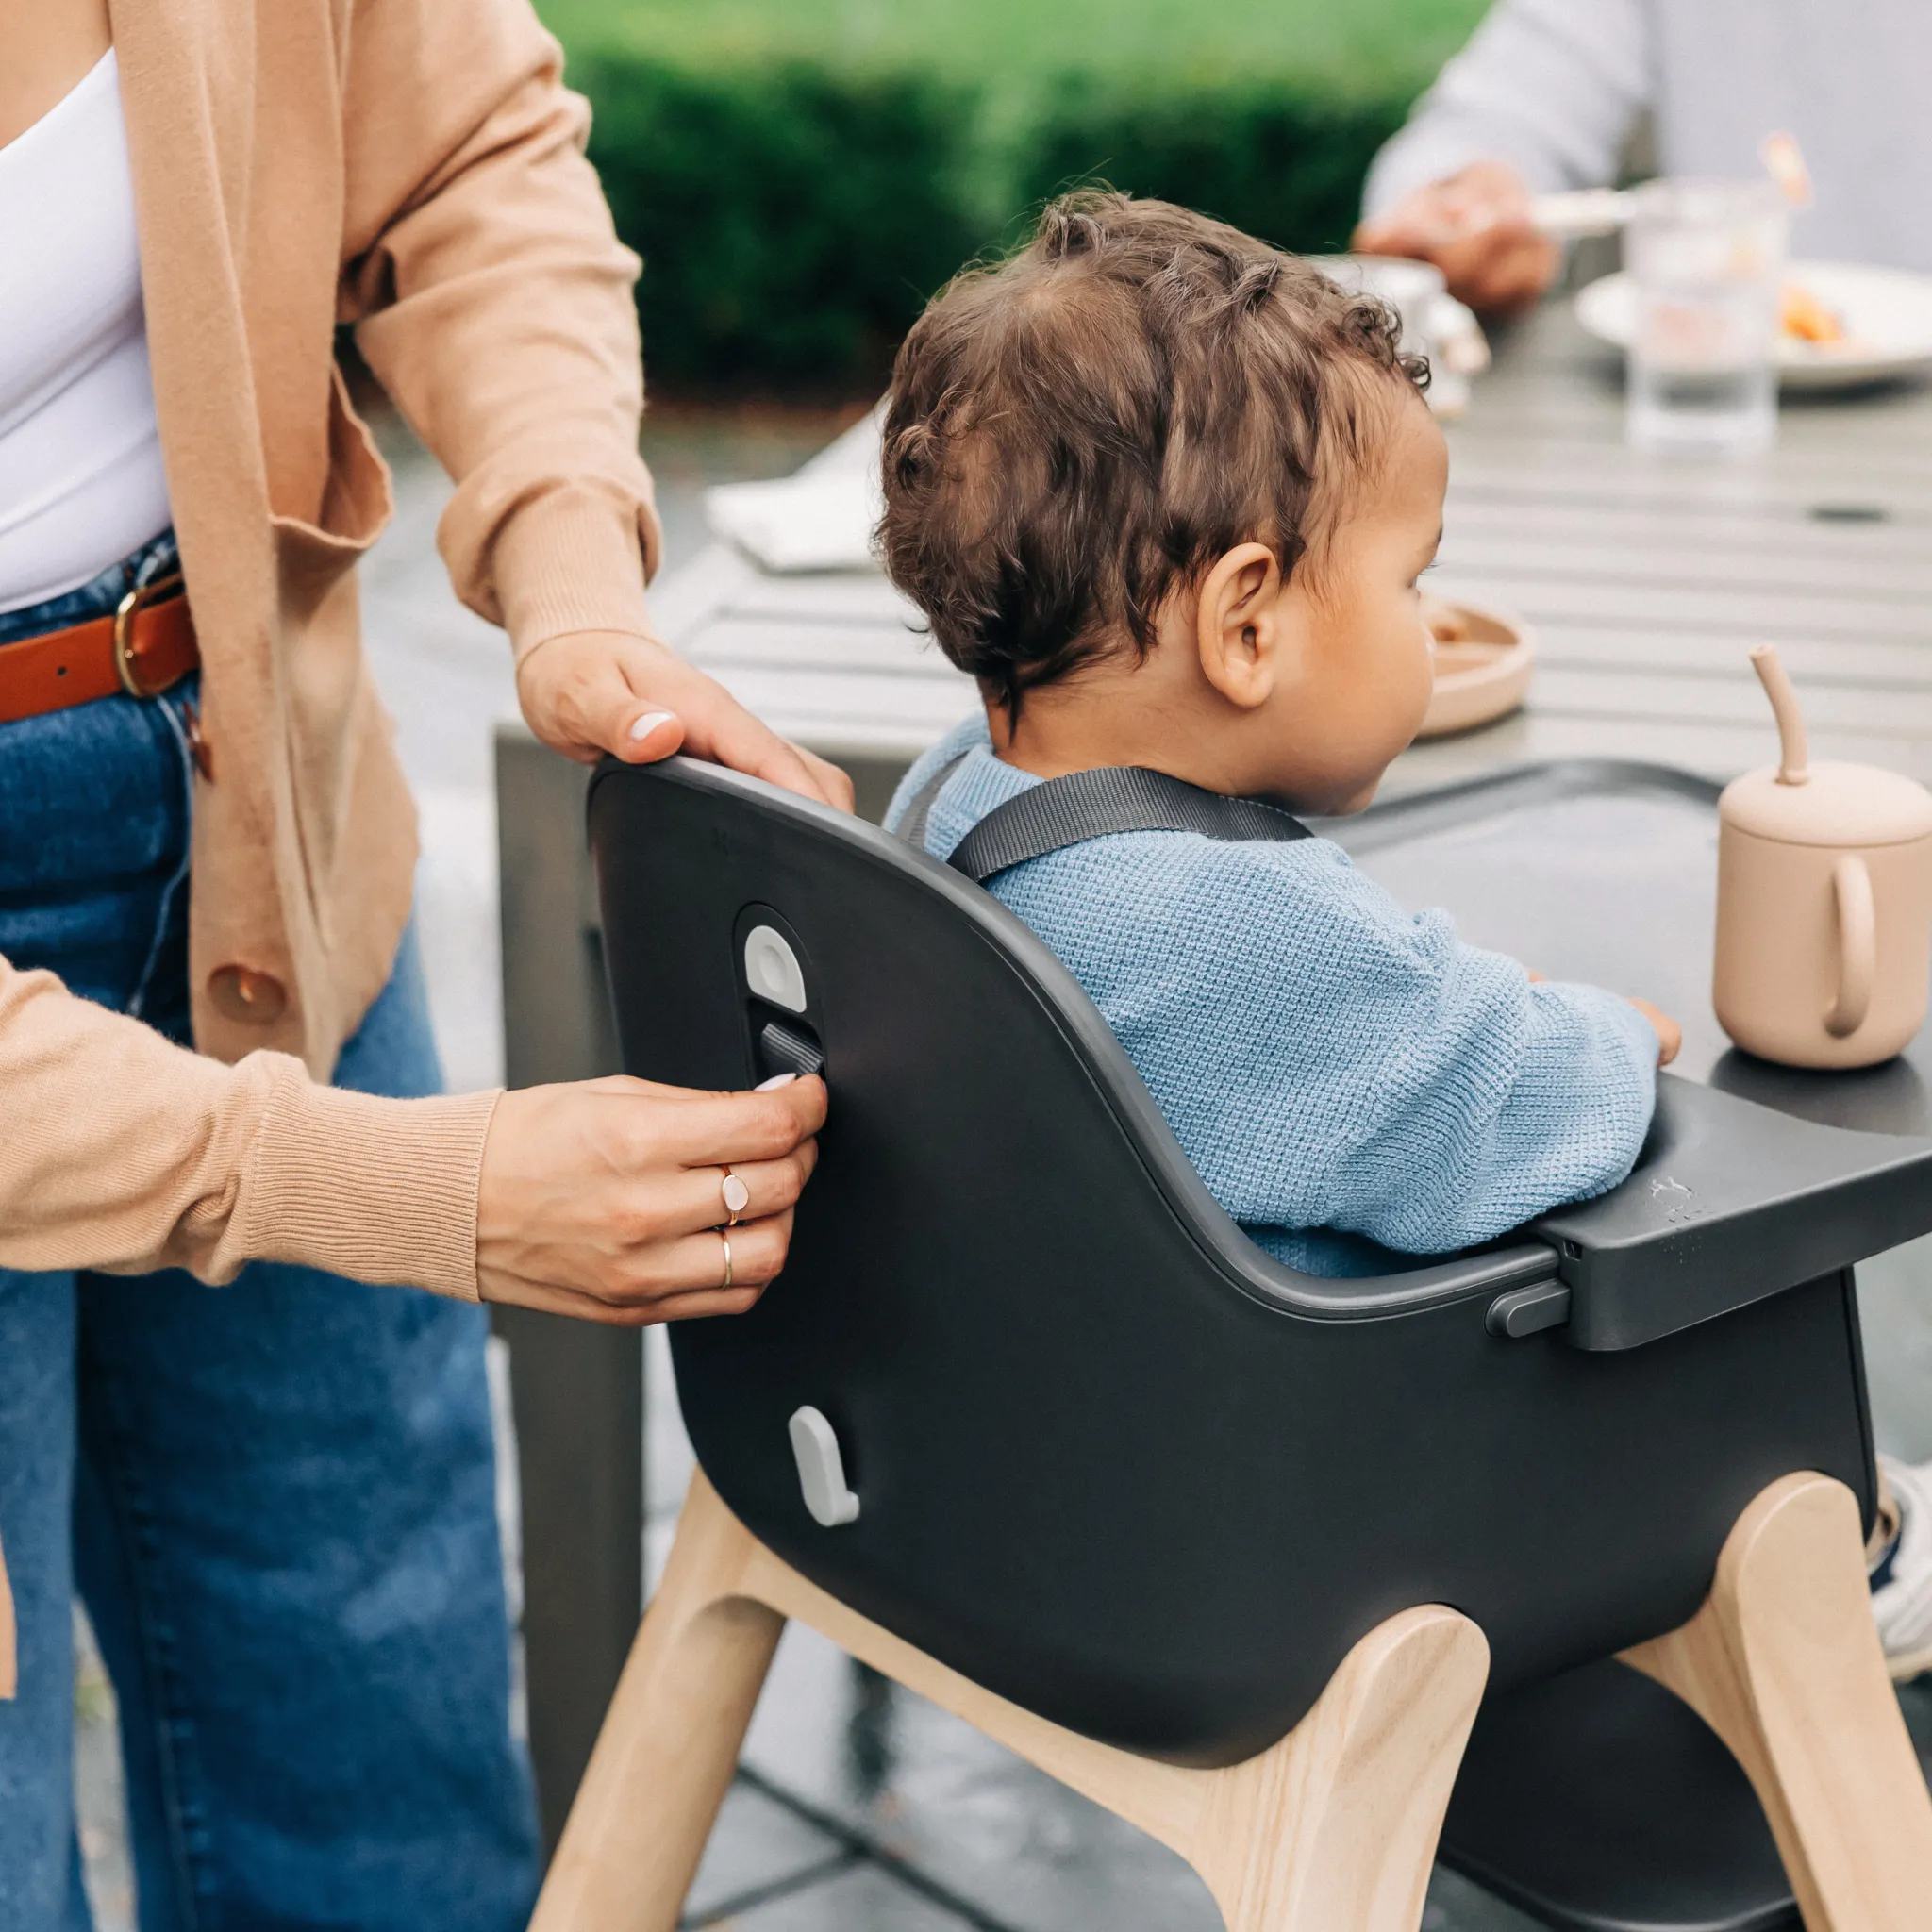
1332, 1829
1784, 1663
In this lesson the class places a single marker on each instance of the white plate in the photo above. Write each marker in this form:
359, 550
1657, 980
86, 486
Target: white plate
1886, 313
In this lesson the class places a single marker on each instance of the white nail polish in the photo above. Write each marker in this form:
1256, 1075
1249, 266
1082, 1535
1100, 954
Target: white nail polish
649, 722
777, 1081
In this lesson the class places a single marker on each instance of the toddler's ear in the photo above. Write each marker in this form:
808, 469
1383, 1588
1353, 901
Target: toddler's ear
1237, 625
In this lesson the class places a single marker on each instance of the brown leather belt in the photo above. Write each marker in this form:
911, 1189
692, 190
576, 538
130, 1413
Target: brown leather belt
146, 647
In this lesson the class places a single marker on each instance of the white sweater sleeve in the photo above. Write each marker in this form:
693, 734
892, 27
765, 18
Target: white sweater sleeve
1553, 87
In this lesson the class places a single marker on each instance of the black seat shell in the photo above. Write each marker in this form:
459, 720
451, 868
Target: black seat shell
1113, 1463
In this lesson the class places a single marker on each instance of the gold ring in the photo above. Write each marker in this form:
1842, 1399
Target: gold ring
727, 1239
737, 1197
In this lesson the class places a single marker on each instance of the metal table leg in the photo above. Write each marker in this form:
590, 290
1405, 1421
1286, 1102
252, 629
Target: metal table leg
578, 1391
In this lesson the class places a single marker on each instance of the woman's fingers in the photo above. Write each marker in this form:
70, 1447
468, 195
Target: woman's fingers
591, 691
693, 1200
695, 1262
725, 1129
670, 1280
833, 781
717, 727
549, 1299
725, 731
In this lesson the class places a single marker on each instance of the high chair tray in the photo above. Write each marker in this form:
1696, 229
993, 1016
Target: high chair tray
1754, 1177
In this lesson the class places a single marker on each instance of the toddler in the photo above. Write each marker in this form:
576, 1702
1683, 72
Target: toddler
1166, 493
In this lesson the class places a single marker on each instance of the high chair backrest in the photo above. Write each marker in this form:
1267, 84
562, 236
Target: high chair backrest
1108, 1459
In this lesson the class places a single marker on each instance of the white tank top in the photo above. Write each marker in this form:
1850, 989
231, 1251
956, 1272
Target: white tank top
81, 459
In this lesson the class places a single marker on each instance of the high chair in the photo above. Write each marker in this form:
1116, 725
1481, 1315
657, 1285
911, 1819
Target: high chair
1029, 1426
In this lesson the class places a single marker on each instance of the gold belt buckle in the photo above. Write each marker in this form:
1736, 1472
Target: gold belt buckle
136, 599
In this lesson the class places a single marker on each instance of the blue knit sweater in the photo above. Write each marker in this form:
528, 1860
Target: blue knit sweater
1342, 1073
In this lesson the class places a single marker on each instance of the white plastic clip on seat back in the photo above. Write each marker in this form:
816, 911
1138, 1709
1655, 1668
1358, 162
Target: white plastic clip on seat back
772, 969
821, 1469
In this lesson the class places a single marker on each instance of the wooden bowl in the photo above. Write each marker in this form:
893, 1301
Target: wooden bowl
1480, 675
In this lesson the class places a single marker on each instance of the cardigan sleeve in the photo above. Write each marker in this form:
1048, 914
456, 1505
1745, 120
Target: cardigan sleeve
123, 1153
492, 300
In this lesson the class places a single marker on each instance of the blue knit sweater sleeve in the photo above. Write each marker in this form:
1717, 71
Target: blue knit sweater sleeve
1325, 1058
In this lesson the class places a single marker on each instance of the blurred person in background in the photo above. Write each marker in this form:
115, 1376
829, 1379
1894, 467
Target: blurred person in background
221, 1117
1548, 93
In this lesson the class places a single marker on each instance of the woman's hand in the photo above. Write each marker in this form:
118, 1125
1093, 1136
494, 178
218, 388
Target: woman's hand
592, 692
1475, 227
603, 1199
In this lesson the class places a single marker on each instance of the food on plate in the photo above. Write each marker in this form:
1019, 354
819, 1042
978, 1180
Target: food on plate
1802, 316
1447, 623
1453, 644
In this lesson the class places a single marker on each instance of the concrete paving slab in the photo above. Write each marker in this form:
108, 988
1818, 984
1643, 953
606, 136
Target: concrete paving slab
864, 1900
760, 1849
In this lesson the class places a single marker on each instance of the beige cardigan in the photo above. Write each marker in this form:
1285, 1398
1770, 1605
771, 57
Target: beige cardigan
414, 168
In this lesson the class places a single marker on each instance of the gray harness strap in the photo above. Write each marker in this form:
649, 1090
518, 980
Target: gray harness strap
1095, 805
912, 827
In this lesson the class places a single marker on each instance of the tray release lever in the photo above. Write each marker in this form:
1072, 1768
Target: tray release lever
1528, 1311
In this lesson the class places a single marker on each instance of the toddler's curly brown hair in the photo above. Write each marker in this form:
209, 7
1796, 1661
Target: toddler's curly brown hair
1077, 431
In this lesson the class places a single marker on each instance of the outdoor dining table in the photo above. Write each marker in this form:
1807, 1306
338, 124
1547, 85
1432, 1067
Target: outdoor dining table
1645, 579
1646, 582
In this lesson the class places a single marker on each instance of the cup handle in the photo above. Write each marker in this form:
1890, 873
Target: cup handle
1858, 945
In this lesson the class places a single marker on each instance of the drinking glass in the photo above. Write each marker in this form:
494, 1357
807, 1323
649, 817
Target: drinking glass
1707, 259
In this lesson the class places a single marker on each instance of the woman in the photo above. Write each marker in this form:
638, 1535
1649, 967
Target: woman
279, 1489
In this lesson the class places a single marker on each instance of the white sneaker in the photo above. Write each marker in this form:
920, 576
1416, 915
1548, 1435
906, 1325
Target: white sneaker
1903, 1608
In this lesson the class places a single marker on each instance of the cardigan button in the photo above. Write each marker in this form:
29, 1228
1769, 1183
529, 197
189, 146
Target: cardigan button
240, 993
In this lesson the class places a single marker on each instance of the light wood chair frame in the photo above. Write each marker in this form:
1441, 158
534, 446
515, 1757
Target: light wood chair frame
1334, 1827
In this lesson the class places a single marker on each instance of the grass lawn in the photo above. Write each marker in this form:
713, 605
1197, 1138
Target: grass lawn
1348, 44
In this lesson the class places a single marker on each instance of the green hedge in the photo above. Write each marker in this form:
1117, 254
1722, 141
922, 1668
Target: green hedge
790, 221
794, 219
1281, 164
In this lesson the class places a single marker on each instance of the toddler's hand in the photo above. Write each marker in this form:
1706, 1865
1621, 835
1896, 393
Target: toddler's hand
1669, 1036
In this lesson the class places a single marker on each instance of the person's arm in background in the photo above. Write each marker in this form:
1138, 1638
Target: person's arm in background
1542, 98
493, 301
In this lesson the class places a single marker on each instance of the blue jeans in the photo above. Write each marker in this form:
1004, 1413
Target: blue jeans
275, 1498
